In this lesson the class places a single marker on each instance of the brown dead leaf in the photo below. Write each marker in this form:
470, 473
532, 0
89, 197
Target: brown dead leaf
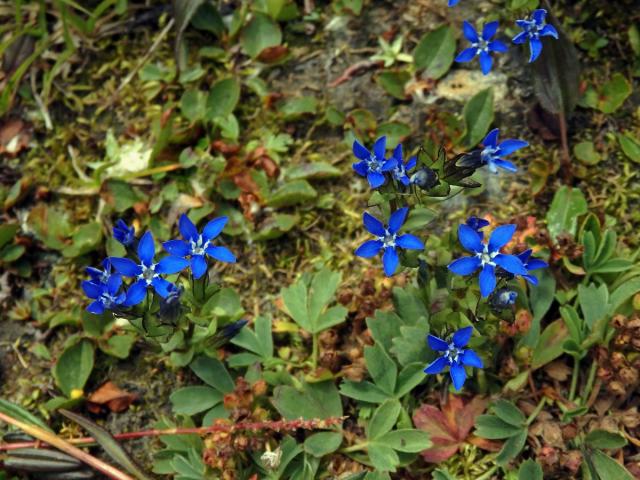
448, 426
273, 54
109, 395
14, 137
558, 370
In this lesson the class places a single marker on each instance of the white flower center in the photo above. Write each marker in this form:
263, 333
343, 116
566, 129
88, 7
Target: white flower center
373, 163
453, 354
389, 239
199, 247
148, 273
486, 257
482, 45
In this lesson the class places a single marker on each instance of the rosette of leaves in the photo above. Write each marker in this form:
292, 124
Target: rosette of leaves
506, 423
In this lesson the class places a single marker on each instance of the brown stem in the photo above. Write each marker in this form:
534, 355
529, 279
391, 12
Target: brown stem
277, 425
66, 447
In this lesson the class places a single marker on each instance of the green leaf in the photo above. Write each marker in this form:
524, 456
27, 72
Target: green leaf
19, 413
322, 443
363, 391
530, 470
382, 457
381, 367
192, 105
108, 443
183, 11
594, 303
630, 146
223, 98
393, 82
607, 468
315, 400
550, 344
259, 34
440, 474
409, 378
259, 340
494, 428
292, 193
296, 107
85, 239
194, 399
568, 204
212, 372
314, 170
508, 412
478, 115
394, 131
73, 368
586, 153
541, 298
435, 52
623, 293
511, 448
613, 93
7, 232
604, 439
406, 440
383, 419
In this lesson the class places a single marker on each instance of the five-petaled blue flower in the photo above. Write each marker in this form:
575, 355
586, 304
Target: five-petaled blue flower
100, 276
481, 45
106, 296
453, 3
454, 355
529, 264
492, 154
147, 272
399, 172
532, 29
373, 164
388, 240
123, 233
197, 245
486, 256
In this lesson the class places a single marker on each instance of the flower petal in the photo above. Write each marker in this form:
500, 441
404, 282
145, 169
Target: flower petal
487, 280
489, 30
136, 293
464, 265
198, 266
507, 147
389, 165
177, 247
126, 266
375, 179
501, 236
524, 256
498, 46
470, 239
535, 45
114, 283
437, 344
510, 263
471, 359
466, 55
539, 15
531, 279
171, 264
453, 3
96, 307
549, 31
436, 366
373, 225
458, 375
410, 242
491, 140
187, 228
397, 153
380, 148
222, 254
361, 168
411, 163
212, 229
92, 290
470, 32
462, 337
536, 263
486, 62
520, 38
504, 164
360, 151
397, 218
369, 249
146, 249
390, 261
162, 286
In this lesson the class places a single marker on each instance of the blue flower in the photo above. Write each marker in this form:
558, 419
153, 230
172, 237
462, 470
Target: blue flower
388, 240
123, 233
100, 276
481, 46
532, 29
503, 298
399, 172
486, 256
531, 264
373, 164
170, 307
454, 355
492, 154
106, 296
147, 272
477, 224
197, 245
453, 3
424, 178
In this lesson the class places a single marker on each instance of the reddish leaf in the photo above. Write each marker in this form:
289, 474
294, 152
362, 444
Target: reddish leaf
449, 426
112, 397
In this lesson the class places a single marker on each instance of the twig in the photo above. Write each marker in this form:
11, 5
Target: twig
356, 69
278, 425
66, 447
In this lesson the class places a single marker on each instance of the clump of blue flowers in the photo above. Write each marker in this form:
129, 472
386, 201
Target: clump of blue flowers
373, 164
454, 355
481, 45
532, 29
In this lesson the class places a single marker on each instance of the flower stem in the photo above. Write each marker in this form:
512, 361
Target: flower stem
590, 379
537, 411
574, 378
314, 351
358, 447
